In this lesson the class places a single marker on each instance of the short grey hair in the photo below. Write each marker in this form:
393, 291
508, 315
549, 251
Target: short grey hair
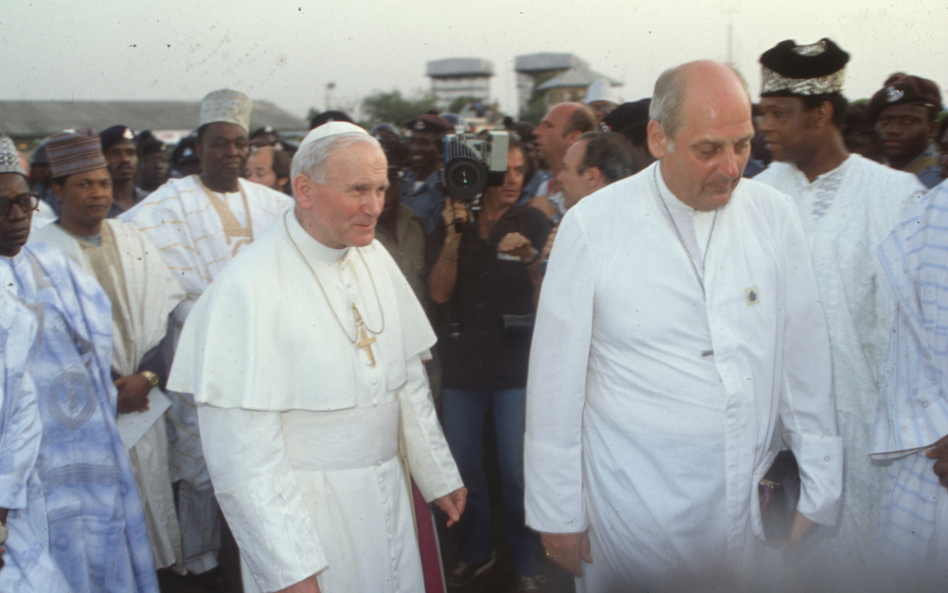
310, 160
669, 96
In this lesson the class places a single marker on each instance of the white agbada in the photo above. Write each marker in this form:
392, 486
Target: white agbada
143, 293
653, 412
197, 232
300, 429
846, 213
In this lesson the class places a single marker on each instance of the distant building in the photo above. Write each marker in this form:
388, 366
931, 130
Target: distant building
571, 85
453, 78
28, 122
570, 77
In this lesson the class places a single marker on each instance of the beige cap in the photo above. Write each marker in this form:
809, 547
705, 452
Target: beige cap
227, 106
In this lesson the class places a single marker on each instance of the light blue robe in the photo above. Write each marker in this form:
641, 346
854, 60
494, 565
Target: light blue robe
28, 566
97, 529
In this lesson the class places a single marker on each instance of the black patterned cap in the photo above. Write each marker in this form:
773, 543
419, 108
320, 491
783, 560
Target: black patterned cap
815, 69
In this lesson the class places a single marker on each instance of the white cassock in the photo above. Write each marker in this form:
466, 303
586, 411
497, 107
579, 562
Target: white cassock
197, 232
652, 411
300, 429
143, 293
846, 213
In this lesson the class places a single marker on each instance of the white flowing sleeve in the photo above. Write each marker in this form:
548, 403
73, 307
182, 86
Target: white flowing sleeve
258, 493
807, 405
20, 432
556, 386
430, 460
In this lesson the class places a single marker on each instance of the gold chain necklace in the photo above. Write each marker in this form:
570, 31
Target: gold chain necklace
358, 317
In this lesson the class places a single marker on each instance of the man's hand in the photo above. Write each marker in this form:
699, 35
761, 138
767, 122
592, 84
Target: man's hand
453, 504
517, 244
802, 528
133, 393
567, 549
940, 454
453, 211
305, 586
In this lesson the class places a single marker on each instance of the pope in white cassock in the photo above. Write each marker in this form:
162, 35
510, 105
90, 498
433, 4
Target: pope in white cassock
679, 336
305, 360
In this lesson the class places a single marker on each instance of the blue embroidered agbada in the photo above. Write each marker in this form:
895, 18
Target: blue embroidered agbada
97, 530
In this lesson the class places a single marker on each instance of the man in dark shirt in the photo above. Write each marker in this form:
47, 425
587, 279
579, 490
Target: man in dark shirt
480, 278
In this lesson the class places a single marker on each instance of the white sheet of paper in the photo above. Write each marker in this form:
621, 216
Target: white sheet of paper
132, 426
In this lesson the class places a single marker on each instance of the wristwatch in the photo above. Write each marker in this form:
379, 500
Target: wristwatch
3, 532
152, 377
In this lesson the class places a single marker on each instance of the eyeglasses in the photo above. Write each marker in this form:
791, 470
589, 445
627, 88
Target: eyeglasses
27, 202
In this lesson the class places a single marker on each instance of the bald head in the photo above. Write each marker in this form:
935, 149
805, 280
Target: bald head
698, 80
701, 131
560, 128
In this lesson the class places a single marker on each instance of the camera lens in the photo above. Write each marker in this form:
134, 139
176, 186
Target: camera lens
464, 176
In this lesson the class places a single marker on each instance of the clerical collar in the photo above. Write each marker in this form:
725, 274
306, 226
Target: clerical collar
666, 194
309, 246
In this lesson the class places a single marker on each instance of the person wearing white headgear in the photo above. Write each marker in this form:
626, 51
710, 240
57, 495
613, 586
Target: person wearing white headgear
199, 223
602, 98
302, 398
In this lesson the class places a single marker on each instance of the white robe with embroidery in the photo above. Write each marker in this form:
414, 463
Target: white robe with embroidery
150, 294
652, 411
846, 213
197, 238
300, 429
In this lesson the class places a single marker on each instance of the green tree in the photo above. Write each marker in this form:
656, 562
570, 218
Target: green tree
394, 108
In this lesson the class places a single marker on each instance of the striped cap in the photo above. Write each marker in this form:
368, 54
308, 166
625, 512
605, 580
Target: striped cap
75, 152
9, 157
225, 105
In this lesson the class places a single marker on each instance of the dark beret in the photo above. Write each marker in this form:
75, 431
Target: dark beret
434, 124
629, 119
907, 90
148, 143
116, 135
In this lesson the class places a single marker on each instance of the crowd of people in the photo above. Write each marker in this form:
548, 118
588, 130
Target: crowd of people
706, 336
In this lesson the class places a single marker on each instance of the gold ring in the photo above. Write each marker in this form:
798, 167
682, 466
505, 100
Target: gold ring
550, 556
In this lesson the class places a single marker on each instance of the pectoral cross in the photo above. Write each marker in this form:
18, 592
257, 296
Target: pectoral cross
366, 341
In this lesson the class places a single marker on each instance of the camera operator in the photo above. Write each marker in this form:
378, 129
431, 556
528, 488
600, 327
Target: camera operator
481, 280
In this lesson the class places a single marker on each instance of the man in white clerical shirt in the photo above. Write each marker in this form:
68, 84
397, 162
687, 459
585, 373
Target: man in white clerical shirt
301, 399
679, 336
199, 223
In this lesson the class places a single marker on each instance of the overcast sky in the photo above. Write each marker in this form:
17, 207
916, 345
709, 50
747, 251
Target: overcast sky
286, 52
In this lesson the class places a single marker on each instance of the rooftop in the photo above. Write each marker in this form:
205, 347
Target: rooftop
43, 118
